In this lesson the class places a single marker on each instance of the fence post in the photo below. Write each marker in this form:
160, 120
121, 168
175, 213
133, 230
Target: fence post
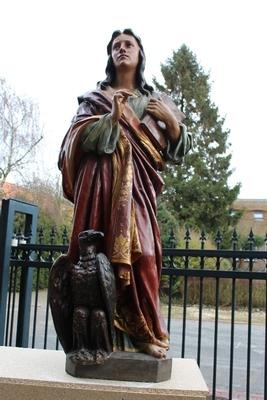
9, 208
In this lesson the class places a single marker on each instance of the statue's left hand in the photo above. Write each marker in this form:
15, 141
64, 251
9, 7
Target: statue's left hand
162, 112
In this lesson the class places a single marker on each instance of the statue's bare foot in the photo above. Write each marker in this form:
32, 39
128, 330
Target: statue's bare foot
166, 341
153, 350
163, 343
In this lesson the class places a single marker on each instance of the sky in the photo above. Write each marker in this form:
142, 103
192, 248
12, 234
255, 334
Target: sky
52, 51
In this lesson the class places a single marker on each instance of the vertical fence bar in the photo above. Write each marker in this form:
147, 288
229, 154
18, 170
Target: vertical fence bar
169, 303
251, 243
35, 306
234, 242
57, 343
265, 348
187, 240
13, 306
216, 320
202, 264
9, 304
172, 245
249, 337
25, 295
214, 378
46, 322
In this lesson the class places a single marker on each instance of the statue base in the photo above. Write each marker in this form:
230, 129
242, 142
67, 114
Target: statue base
30, 374
124, 366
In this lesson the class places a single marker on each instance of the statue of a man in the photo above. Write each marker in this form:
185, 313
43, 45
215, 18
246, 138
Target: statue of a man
110, 165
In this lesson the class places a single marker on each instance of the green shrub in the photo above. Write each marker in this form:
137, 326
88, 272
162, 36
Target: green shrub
225, 292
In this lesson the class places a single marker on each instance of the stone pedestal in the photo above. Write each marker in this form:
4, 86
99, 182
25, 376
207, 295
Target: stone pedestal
124, 366
30, 374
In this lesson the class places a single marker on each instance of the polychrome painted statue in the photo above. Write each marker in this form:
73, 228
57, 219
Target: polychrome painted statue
122, 135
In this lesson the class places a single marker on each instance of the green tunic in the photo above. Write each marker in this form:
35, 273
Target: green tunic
101, 137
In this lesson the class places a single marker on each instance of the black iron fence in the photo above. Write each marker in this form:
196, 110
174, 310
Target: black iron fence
209, 299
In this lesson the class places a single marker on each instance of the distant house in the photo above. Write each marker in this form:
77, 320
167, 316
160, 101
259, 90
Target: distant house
8, 190
50, 203
254, 216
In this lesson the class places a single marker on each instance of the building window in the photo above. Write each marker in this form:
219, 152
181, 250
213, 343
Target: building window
258, 215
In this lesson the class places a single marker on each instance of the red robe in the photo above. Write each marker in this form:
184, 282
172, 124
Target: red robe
116, 194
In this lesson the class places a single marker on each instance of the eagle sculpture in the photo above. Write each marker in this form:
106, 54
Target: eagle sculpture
82, 300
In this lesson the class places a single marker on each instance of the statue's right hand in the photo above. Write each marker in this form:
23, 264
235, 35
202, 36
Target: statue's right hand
118, 103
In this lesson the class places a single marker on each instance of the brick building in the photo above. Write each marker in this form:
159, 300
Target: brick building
254, 216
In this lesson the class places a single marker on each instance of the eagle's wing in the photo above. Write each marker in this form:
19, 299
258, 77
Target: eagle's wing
108, 288
60, 300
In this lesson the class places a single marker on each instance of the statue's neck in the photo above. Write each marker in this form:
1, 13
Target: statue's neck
125, 80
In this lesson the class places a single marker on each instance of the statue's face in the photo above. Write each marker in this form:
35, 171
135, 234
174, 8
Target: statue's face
125, 52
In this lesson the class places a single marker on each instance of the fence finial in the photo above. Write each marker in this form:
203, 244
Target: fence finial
251, 239
65, 235
187, 237
202, 238
218, 238
172, 239
234, 239
52, 235
40, 235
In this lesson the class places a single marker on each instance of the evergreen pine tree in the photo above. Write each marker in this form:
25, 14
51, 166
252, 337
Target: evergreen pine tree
197, 193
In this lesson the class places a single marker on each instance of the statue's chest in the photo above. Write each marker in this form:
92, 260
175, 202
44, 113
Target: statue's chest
85, 286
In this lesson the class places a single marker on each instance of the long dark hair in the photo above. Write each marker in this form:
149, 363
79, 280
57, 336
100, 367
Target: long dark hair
110, 69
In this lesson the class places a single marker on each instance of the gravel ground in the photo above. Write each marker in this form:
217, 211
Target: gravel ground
208, 314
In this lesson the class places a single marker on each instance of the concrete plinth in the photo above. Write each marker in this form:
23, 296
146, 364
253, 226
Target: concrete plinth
30, 374
124, 366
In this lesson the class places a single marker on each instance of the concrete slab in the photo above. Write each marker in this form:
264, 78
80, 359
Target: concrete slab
30, 374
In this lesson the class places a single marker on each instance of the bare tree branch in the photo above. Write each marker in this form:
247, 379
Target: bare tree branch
20, 132
18, 162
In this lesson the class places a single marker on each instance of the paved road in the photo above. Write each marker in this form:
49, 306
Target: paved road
206, 364
223, 355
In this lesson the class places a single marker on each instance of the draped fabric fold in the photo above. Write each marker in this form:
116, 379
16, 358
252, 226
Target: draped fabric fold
116, 194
